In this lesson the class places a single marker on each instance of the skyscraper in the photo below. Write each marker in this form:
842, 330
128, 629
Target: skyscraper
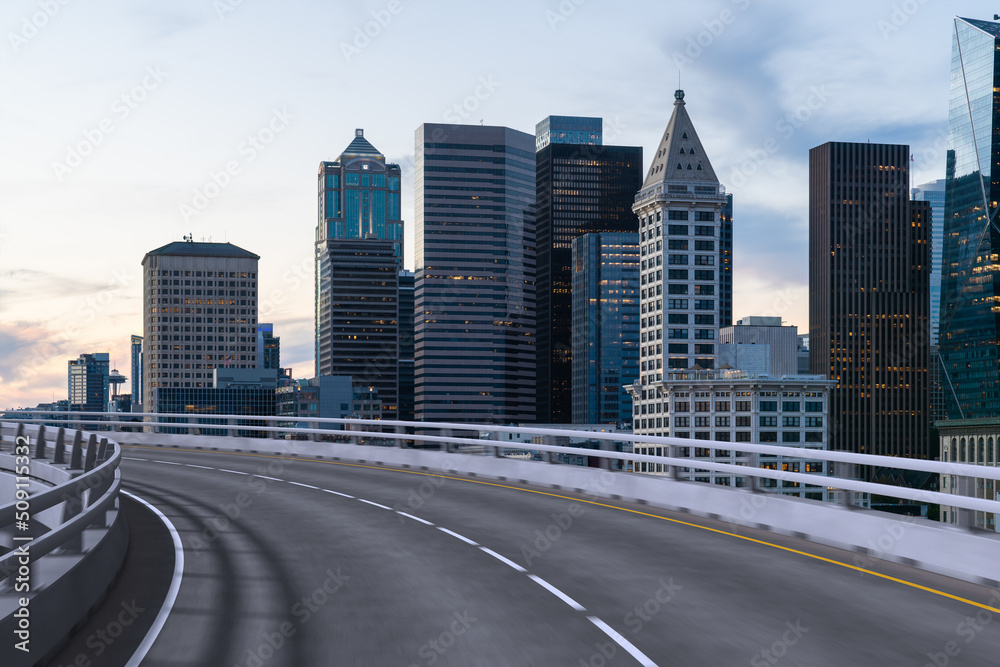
582, 187
933, 192
137, 371
406, 287
358, 315
685, 237
869, 306
199, 313
605, 326
474, 353
88, 381
359, 247
970, 276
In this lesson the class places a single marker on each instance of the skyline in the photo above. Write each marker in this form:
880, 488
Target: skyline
166, 126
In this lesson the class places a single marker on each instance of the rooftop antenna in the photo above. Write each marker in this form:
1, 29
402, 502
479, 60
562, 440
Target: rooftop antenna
189, 238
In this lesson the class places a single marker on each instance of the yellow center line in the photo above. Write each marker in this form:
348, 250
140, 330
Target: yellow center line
592, 502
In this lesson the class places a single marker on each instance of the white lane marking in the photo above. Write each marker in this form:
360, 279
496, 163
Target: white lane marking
191, 465
235, 472
624, 643
308, 486
169, 463
415, 518
130, 458
375, 504
503, 560
337, 493
555, 591
461, 537
175, 586
271, 478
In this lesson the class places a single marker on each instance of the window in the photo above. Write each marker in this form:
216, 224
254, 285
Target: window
704, 216
703, 406
677, 333
704, 230
769, 436
722, 406
704, 260
704, 274
704, 290
814, 436
677, 215
682, 422
677, 244
790, 436
702, 422
790, 422
704, 319
768, 406
814, 422
743, 421
722, 421
704, 304
768, 422
677, 318
814, 406
722, 436
743, 406
704, 245
677, 288
677, 230
682, 406
677, 274
742, 436
814, 466
677, 304
704, 334
791, 406
680, 260
704, 348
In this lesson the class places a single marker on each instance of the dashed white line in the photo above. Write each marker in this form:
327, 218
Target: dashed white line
191, 465
624, 643
558, 593
308, 486
415, 518
271, 478
461, 537
503, 560
169, 463
235, 472
375, 504
130, 458
337, 493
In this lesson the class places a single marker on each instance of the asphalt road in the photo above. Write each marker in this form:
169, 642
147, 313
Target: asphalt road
284, 574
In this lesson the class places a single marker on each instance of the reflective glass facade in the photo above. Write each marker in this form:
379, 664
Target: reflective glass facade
605, 326
970, 282
569, 130
581, 189
88, 382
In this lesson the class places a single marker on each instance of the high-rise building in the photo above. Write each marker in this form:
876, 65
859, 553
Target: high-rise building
582, 187
358, 330
474, 352
199, 314
933, 192
89, 382
406, 287
137, 371
685, 241
869, 310
755, 330
970, 275
268, 347
605, 326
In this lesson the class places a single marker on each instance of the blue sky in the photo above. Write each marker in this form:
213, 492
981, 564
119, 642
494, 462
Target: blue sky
125, 125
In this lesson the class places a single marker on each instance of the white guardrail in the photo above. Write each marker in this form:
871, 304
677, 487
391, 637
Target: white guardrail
952, 550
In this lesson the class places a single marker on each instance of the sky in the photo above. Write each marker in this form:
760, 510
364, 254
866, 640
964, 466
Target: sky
125, 125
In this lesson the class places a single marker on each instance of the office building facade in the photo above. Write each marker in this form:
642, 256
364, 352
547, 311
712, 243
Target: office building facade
685, 237
358, 315
969, 344
975, 442
737, 406
605, 326
783, 358
582, 187
199, 314
474, 349
137, 371
406, 290
869, 309
268, 347
89, 382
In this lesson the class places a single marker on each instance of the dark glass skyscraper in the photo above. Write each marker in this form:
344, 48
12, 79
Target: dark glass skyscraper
474, 356
605, 326
88, 382
582, 187
869, 305
406, 287
970, 280
136, 370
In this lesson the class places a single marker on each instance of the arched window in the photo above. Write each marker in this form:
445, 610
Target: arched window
990, 456
982, 451
962, 451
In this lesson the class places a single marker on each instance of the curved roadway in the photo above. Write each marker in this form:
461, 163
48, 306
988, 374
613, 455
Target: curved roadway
291, 562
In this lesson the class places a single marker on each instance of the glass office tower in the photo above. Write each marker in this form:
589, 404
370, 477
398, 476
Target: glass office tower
605, 326
582, 187
474, 354
88, 381
136, 370
970, 282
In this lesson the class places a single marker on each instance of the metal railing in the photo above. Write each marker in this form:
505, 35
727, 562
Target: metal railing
405, 433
